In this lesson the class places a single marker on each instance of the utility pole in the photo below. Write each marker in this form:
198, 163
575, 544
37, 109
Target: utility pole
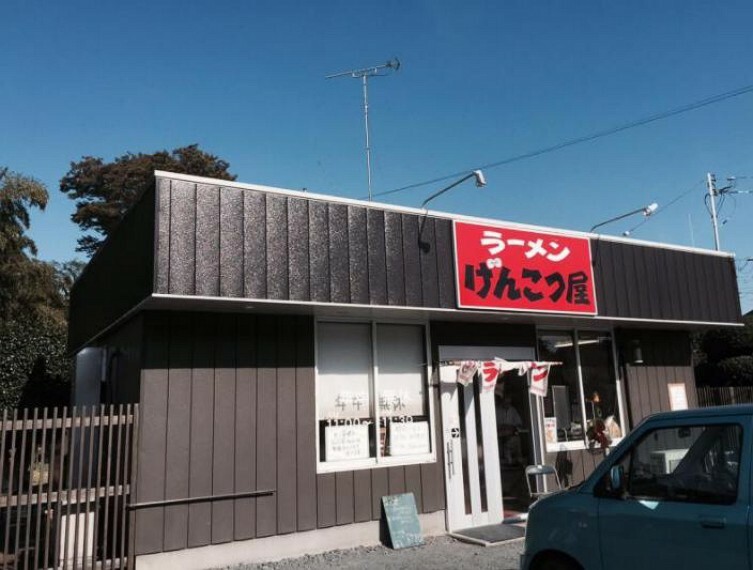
711, 185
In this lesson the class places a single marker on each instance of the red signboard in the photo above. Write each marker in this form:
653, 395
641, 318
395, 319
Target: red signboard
509, 269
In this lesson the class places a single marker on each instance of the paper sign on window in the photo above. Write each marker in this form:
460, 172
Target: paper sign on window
409, 438
344, 443
678, 396
505, 268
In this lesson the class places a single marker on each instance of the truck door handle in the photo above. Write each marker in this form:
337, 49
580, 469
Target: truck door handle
713, 523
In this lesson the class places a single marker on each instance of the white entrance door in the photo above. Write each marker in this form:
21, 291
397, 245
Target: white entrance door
469, 428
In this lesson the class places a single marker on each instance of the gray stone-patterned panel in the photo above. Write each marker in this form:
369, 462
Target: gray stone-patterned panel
319, 251
428, 254
395, 271
207, 240
298, 249
338, 254
277, 247
254, 244
182, 237
162, 277
231, 242
377, 257
358, 255
411, 261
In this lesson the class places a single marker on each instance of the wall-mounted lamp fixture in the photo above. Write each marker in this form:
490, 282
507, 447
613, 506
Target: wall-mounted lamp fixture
647, 211
477, 174
636, 353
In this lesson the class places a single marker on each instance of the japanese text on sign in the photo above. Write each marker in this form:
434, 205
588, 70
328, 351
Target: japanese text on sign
513, 269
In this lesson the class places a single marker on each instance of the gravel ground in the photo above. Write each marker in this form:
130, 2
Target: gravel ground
438, 553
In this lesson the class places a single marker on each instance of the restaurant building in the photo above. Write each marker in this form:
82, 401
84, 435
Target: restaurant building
295, 357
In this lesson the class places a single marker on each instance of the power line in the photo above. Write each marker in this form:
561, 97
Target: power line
582, 139
662, 208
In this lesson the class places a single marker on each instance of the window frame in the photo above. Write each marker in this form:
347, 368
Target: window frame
619, 385
377, 461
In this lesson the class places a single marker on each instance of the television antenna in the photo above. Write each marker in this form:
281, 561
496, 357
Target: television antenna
364, 74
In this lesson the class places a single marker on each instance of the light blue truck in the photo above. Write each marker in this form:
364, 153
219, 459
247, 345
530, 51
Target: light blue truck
674, 494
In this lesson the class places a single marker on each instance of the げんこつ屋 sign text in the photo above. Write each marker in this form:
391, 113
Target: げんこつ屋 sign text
523, 270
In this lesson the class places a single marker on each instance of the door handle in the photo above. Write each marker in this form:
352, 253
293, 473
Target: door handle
450, 458
713, 523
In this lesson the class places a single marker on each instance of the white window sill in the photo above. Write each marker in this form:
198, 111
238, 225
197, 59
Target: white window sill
575, 446
337, 466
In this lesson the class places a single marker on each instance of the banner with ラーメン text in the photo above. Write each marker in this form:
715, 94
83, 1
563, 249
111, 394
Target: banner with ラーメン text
511, 269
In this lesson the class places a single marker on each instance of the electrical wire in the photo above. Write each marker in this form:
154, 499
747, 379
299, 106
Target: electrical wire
662, 208
582, 139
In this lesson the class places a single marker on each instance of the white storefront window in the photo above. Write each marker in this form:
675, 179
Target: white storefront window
372, 395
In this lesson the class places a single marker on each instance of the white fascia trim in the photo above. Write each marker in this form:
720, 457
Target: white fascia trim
424, 310
431, 213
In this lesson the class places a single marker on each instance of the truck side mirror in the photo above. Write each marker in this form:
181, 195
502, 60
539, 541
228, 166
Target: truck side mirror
617, 479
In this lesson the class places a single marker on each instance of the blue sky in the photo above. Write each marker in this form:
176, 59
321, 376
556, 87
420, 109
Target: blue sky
480, 81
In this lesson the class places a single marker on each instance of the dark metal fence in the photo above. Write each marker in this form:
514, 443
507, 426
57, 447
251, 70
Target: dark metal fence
724, 395
65, 476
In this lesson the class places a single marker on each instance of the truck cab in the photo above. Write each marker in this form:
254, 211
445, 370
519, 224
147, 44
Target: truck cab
674, 493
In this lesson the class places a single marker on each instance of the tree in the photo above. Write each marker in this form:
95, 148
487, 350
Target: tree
104, 191
27, 285
724, 357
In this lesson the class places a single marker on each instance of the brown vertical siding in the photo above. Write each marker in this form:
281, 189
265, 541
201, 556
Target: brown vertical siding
228, 407
666, 360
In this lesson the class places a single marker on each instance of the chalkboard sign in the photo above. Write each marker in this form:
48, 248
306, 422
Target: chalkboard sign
402, 520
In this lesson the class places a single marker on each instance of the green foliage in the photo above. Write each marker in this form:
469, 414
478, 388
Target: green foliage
737, 370
18, 193
105, 191
34, 368
724, 357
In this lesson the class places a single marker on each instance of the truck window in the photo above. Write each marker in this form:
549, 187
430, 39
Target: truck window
697, 464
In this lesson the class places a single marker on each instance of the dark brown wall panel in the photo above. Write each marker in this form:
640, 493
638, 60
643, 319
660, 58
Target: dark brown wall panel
344, 498
306, 417
380, 486
231, 242
223, 446
245, 428
362, 495
178, 431
326, 500
287, 519
266, 451
153, 437
202, 429
666, 360
208, 246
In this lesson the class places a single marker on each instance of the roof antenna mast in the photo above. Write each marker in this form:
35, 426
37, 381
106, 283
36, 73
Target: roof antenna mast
364, 75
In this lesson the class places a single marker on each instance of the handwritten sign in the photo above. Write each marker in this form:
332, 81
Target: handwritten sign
409, 438
342, 443
402, 520
678, 396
